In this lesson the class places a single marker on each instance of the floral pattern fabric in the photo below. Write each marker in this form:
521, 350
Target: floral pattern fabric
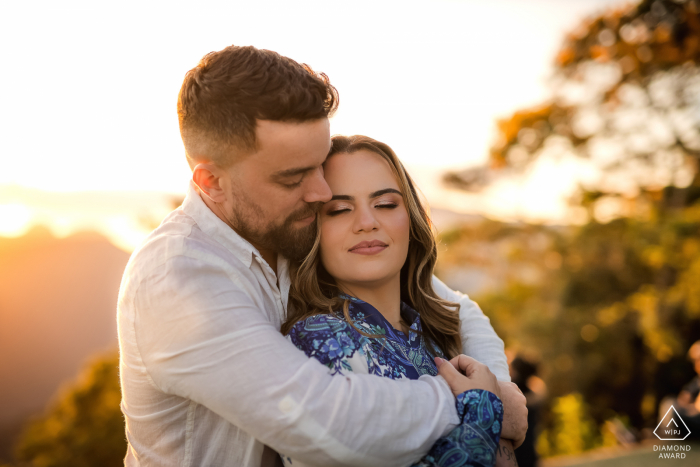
338, 345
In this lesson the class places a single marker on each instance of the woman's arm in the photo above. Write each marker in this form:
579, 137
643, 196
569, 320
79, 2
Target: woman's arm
475, 442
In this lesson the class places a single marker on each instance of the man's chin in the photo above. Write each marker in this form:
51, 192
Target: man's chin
295, 241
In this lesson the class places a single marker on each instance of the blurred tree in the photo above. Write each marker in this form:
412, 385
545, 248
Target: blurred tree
623, 298
84, 427
626, 99
573, 432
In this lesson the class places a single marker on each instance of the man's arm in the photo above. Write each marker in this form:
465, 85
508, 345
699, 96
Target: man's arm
203, 338
479, 340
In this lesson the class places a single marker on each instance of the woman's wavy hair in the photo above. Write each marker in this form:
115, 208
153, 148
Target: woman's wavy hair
314, 291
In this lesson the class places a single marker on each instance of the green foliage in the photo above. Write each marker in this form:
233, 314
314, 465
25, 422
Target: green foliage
616, 300
573, 430
624, 104
84, 427
603, 306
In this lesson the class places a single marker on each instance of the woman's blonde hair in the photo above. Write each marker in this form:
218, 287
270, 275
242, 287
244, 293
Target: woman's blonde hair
314, 291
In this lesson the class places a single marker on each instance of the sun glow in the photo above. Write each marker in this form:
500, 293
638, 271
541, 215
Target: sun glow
15, 220
430, 81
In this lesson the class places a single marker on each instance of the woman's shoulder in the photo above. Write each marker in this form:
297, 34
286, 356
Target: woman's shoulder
311, 331
328, 338
320, 323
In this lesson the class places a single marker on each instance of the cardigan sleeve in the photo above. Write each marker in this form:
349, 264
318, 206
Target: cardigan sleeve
474, 442
328, 339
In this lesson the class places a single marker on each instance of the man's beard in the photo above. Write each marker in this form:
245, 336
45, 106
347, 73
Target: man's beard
284, 239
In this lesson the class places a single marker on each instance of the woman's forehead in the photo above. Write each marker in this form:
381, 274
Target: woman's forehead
359, 171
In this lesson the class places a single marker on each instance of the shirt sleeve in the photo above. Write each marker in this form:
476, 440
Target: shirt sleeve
475, 441
202, 337
479, 340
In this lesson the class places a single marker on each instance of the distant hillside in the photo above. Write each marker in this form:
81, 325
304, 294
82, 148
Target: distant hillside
57, 307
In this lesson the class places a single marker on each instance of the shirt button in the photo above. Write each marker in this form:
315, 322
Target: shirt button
287, 404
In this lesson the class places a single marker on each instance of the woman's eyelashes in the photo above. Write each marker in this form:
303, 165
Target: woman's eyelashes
335, 210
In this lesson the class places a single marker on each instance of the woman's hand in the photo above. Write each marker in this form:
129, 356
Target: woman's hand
464, 373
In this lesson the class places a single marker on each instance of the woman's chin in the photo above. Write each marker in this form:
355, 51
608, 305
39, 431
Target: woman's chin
369, 279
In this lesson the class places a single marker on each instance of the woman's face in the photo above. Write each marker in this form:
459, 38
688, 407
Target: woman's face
365, 227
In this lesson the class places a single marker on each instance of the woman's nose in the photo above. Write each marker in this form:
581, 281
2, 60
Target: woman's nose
365, 221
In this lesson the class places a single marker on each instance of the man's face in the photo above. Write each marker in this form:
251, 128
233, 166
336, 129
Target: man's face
276, 192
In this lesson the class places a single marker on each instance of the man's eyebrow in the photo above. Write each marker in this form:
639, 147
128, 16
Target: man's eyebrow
294, 171
375, 194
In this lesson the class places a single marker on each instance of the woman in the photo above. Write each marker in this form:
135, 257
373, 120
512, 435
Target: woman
362, 301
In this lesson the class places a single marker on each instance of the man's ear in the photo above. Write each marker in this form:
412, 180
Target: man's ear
207, 177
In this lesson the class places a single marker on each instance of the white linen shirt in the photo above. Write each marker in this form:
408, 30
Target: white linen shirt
207, 378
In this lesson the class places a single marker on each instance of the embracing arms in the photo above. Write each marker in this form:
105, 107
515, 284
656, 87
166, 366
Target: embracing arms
481, 342
202, 337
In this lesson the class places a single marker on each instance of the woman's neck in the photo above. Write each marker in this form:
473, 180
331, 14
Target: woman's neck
384, 296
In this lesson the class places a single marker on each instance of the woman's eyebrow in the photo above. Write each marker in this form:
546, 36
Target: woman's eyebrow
379, 193
374, 194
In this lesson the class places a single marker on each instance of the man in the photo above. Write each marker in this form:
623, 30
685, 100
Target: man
207, 378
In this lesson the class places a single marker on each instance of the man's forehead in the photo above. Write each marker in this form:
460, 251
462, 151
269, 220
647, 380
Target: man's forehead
293, 145
271, 132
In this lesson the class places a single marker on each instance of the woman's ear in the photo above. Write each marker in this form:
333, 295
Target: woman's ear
207, 177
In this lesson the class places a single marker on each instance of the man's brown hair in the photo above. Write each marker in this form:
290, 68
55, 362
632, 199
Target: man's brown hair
223, 96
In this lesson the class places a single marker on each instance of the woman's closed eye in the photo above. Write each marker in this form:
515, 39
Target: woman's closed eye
336, 211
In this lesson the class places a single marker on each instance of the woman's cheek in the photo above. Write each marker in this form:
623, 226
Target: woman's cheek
330, 246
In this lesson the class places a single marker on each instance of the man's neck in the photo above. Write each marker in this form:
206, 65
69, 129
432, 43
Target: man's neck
384, 296
269, 256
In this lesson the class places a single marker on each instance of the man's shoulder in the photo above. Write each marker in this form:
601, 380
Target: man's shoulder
177, 242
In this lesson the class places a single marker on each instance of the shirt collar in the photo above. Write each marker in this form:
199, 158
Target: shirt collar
211, 225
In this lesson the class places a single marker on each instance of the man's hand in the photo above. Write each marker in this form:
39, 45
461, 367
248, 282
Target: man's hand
514, 409
514, 413
465, 373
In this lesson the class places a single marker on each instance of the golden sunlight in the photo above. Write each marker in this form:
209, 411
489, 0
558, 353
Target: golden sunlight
15, 220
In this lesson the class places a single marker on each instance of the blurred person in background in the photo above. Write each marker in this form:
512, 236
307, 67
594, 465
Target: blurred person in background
524, 373
688, 402
206, 376
363, 302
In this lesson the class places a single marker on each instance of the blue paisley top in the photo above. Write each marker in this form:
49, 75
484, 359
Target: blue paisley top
334, 342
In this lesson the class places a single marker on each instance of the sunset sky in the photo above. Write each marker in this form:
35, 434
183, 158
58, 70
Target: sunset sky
89, 128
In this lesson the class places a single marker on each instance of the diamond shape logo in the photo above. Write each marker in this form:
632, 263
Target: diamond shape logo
672, 427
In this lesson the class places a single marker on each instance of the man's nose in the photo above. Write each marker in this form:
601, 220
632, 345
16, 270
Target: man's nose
318, 189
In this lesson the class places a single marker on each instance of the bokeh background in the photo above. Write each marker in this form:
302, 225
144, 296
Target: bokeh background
556, 141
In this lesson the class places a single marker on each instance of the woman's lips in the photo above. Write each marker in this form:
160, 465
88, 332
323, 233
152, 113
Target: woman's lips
373, 250
369, 248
